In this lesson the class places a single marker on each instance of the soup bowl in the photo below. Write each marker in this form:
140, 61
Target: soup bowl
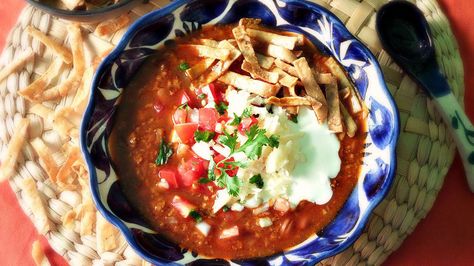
157, 30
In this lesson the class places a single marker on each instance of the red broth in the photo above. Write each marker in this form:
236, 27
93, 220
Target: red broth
144, 119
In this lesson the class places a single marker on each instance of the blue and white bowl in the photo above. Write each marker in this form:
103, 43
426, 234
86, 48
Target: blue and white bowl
157, 30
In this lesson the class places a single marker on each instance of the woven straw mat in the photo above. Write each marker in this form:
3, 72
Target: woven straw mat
425, 151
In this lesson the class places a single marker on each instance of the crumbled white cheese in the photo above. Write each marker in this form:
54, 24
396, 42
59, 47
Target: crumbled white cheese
219, 128
264, 222
230, 232
203, 150
239, 100
203, 227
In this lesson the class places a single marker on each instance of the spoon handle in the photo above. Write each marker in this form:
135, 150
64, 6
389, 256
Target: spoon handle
462, 131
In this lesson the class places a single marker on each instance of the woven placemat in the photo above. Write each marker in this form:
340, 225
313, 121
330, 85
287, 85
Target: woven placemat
425, 151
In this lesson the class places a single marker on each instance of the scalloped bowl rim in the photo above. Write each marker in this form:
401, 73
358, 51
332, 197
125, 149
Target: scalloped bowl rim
376, 200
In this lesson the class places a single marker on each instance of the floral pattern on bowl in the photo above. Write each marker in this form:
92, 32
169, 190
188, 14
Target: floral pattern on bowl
157, 30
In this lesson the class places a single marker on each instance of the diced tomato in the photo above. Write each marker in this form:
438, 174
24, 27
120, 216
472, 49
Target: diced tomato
183, 206
158, 106
190, 100
192, 170
170, 176
189, 177
186, 131
180, 116
232, 171
208, 118
246, 124
193, 115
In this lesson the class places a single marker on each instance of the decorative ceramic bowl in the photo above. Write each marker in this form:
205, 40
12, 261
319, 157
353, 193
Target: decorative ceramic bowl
157, 30
95, 15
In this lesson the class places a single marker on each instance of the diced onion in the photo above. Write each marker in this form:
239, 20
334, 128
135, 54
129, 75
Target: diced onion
281, 205
182, 206
230, 232
222, 198
261, 209
237, 207
264, 222
163, 184
204, 228
223, 150
203, 150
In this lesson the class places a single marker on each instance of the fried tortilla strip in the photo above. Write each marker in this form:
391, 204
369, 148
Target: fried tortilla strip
279, 52
351, 126
72, 4
298, 53
300, 37
38, 255
199, 68
248, 84
286, 67
33, 91
209, 52
348, 95
266, 62
8, 163
286, 79
209, 42
67, 121
82, 94
46, 156
16, 64
311, 87
56, 47
106, 235
66, 169
334, 117
287, 92
288, 42
108, 27
344, 82
249, 22
258, 73
323, 78
33, 200
219, 68
42, 111
293, 101
74, 79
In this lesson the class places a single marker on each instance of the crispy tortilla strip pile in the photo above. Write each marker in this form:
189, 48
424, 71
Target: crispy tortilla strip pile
279, 67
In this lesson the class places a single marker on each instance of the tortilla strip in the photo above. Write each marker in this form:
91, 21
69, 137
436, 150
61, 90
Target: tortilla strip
279, 52
351, 126
209, 42
324, 78
82, 94
348, 95
66, 169
344, 82
298, 53
286, 79
287, 92
209, 52
266, 62
46, 156
199, 68
105, 233
258, 73
108, 27
16, 64
38, 255
334, 117
8, 163
288, 42
42, 111
293, 101
311, 87
66, 121
33, 199
56, 47
286, 67
248, 84
300, 37
249, 22
74, 79
32, 91
219, 68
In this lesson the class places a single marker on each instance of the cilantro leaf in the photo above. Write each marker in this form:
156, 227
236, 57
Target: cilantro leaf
247, 112
274, 141
221, 107
184, 66
225, 208
236, 121
205, 135
183, 106
232, 184
202, 96
204, 180
210, 172
196, 216
229, 140
256, 140
164, 153
257, 180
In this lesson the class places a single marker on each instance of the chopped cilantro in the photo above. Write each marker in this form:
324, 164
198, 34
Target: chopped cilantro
202, 96
238, 119
247, 112
225, 208
183, 106
205, 136
196, 216
229, 140
255, 142
294, 119
221, 107
257, 180
184, 66
231, 183
204, 180
274, 141
210, 172
164, 153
